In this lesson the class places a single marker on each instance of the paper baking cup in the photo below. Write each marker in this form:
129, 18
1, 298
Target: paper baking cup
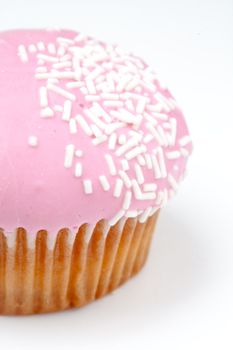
39, 274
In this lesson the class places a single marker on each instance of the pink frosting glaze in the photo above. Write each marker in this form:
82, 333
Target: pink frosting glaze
41, 185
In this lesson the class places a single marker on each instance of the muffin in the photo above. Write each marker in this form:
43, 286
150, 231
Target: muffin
91, 148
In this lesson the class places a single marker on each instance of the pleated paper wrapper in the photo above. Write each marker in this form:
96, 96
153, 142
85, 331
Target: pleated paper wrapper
42, 274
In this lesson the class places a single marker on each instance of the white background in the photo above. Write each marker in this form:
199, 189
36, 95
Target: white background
183, 299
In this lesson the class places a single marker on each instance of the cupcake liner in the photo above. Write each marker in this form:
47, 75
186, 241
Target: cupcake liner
39, 275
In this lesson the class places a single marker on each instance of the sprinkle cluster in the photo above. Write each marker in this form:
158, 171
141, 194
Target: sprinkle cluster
126, 112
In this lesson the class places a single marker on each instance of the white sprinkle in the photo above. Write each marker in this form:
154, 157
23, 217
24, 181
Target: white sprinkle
61, 92
132, 84
58, 108
44, 76
65, 41
129, 105
74, 84
91, 98
141, 106
79, 153
80, 37
156, 168
84, 125
100, 112
43, 96
69, 155
41, 70
65, 58
184, 152
150, 118
148, 138
129, 115
167, 125
118, 188
111, 164
47, 112
126, 118
112, 141
127, 200
136, 134
78, 170
33, 141
40, 62
155, 133
123, 82
139, 173
73, 126
104, 183
67, 110
172, 182
52, 81
23, 53
32, 48
148, 86
41, 46
109, 96
124, 164
47, 58
162, 135
144, 216
173, 155
185, 140
141, 160
147, 196
131, 66
64, 75
99, 140
135, 152
96, 131
153, 108
132, 95
51, 49
61, 50
173, 103
122, 139
90, 86
87, 184
95, 73
173, 131
110, 82
148, 161
62, 65
113, 103
116, 218
89, 113
160, 116
109, 129
164, 101
149, 187
136, 189
125, 178
85, 71
133, 141
161, 161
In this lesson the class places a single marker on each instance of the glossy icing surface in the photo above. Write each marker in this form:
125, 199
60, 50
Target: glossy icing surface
86, 132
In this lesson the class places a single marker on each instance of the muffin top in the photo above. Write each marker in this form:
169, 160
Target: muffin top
87, 132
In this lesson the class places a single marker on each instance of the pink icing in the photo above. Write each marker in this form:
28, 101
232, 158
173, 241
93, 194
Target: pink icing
36, 190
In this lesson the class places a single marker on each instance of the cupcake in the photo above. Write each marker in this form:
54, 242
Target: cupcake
91, 148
